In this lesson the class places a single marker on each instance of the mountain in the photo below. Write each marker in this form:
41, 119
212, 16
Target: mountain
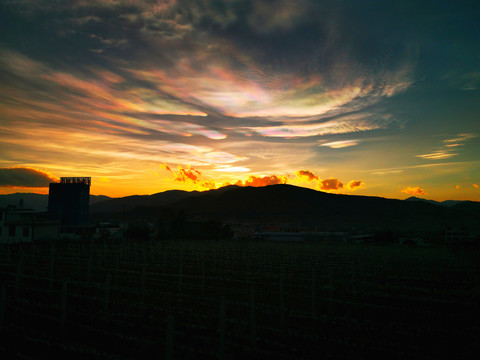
291, 204
279, 204
129, 203
443, 203
38, 202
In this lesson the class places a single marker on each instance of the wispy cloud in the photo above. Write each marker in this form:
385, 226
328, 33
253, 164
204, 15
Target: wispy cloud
448, 149
340, 144
340, 125
231, 169
438, 155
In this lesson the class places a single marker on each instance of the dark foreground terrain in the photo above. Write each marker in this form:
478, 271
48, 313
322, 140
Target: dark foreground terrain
238, 300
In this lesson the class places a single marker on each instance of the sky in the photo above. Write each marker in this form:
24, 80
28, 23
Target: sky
378, 98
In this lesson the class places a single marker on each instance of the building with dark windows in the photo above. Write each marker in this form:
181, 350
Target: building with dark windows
20, 225
68, 201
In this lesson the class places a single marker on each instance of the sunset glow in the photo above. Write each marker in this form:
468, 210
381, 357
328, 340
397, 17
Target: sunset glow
150, 96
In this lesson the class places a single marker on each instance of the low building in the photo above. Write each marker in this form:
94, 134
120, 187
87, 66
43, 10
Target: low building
24, 225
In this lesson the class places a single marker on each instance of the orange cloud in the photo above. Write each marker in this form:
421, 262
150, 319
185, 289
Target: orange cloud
190, 175
306, 174
355, 184
208, 185
475, 185
187, 173
184, 174
330, 184
166, 167
414, 190
262, 181
25, 177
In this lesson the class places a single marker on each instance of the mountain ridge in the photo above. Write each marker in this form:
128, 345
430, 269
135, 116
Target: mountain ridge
285, 203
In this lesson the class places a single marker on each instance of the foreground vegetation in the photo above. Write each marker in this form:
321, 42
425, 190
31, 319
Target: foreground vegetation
238, 300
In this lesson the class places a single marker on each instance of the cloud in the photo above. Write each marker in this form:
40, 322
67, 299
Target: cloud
125, 83
438, 155
226, 168
448, 146
341, 144
166, 167
25, 177
355, 184
466, 81
340, 125
185, 174
414, 190
190, 175
257, 181
460, 138
330, 184
306, 174
388, 172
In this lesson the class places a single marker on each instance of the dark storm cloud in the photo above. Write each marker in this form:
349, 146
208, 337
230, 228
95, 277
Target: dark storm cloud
24, 177
309, 36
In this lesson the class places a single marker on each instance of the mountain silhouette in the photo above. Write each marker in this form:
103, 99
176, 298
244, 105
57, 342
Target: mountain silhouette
38, 202
129, 203
443, 203
280, 204
297, 205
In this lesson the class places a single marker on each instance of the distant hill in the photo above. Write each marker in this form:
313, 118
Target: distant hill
38, 202
129, 203
443, 203
279, 204
291, 204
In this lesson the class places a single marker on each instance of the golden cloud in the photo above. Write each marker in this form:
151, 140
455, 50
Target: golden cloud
306, 174
340, 144
185, 174
414, 190
256, 181
190, 175
355, 184
166, 167
437, 155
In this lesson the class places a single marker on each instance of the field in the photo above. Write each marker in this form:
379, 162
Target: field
238, 300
